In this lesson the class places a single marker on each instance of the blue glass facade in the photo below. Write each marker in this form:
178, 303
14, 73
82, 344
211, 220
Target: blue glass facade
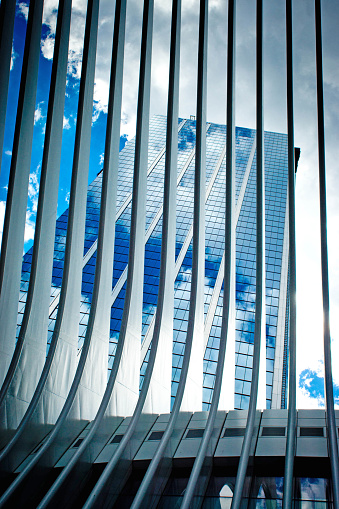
276, 194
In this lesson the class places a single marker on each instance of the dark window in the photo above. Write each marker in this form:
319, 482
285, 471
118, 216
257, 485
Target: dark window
77, 443
195, 433
116, 439
273, 431
234, 432
312, 432
156, 435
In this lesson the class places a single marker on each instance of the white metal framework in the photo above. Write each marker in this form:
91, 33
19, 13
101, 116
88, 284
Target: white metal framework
49, 407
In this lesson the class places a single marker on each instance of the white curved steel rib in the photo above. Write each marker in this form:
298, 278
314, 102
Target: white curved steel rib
30, 351
7, 15
66, 329
165, 292
198, 256
192, 396
162, 330
158, 376
330, 413
227, 326
151, 472
100, 309
292, 409
259, 350
114, 401
103, 479
15, 216
125, 371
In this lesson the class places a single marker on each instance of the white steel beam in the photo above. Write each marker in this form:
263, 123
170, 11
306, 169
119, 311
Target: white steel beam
15, 216
292, 381
30, 351
330, 413
7, 15
227, 327
54, 388
258, 383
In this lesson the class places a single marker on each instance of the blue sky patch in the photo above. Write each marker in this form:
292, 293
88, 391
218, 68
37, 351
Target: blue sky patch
313, 385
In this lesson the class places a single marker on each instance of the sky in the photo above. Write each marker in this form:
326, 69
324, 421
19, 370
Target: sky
309, 301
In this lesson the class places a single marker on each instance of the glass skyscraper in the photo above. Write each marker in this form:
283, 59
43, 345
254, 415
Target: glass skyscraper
276, 253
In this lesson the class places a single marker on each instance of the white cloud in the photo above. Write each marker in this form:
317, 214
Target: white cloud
29, 228
47, 47
8, 152
38, 114
304, 400
33, 191
13, 57
66, 124
23, 9
76, 34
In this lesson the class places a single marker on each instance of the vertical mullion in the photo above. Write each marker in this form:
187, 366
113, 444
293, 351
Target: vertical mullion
259, 330
292, 412
330, 414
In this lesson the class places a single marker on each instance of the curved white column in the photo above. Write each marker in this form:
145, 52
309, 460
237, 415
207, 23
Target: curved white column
7, 15
163, 311
330, 413
292, 375
15, 216
125, 371
227, 327
258, 383
158, 398
30, 351
192, 398
55, 384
